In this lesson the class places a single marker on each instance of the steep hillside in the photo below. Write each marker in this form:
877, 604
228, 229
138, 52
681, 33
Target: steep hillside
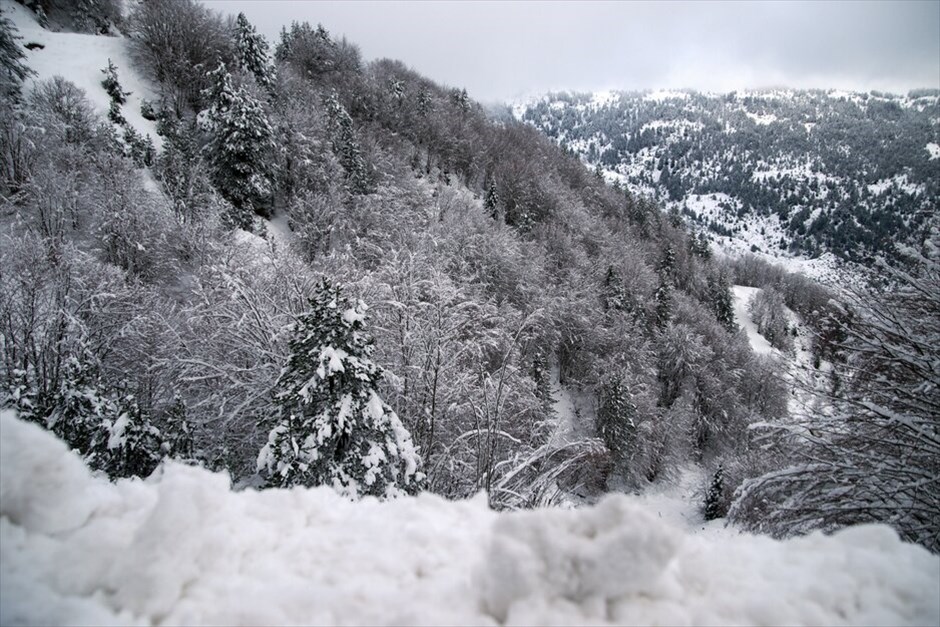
337, 283
780, 172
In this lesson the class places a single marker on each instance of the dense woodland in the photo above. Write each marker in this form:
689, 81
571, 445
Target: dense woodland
443, 273
848, 173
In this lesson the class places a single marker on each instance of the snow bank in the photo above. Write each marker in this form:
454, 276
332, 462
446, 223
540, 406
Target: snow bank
182, 548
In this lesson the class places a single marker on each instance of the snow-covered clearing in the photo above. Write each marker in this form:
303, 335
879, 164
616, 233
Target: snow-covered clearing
933, 150
80, 59
742, 295
183, 548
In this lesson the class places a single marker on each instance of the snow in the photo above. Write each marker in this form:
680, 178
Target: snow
662, 95
183, 548
80, 59
933, 149
762, 120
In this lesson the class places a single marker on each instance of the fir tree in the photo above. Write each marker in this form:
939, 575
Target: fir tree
664, 291
714, 498
13, 70
178, 432
718, 293
616, 418
613, 295
346, 148
334, 429
253, 52
240, 146
491, 200
113, 86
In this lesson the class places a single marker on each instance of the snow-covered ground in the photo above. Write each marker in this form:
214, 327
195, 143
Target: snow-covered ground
742, 296
80, 59
183, 548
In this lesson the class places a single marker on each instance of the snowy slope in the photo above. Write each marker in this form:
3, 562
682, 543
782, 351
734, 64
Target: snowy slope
80, 59
182, 548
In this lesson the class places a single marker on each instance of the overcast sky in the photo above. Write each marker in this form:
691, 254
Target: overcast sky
505, 50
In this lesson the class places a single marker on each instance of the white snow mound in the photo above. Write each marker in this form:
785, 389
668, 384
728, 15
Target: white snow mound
183, 548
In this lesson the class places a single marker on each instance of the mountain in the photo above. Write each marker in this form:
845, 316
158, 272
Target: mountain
782, 172
328, 286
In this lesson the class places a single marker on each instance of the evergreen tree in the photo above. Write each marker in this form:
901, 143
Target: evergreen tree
491, 200
616, 421
13, 70
346, 148
714, 498
664, 291
253, 52
178, 432
240, 147
718, 292
112, 85
334, 429
613, 294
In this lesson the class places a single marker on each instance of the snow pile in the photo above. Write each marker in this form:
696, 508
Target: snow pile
182, 548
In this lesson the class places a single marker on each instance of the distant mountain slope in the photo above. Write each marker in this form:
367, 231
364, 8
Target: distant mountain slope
784, 172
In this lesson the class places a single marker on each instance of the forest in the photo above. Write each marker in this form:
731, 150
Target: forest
326, 271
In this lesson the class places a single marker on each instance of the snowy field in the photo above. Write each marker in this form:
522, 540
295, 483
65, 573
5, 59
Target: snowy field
183, 548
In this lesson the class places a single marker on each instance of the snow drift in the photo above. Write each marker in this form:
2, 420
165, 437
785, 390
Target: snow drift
183, 548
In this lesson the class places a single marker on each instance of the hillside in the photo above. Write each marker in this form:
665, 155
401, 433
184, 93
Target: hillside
779, 172
335, 304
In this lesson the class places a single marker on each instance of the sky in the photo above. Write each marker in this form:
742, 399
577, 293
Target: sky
511, 50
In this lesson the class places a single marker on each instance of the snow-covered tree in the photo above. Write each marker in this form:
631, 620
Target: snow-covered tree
876, 457
718, 294
768, 311
13, 69
714, 496
253, 52
112, 85
334, 428
617, 419
346, 147
240, 146
491, 200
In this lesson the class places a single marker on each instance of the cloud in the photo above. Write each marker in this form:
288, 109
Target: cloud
503, 50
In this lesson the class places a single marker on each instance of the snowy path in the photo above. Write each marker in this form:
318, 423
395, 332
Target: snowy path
182, 548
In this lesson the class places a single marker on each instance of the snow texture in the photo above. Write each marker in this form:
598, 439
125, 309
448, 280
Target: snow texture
183, 548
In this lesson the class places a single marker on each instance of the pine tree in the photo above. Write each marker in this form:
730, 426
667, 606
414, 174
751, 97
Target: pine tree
253, 52
112, 85
240, 146
616, 421
346, 148
491, 200
178, 432
714, 498
664, 291
334, 428
613, 294
13, 70
719, 297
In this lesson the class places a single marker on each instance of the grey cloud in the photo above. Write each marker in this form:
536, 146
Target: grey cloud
502, 50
